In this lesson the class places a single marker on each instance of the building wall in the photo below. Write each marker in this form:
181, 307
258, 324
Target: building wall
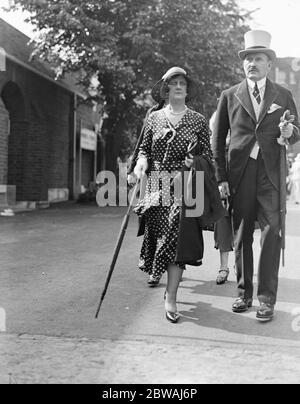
38, 155
87, 157
48, 146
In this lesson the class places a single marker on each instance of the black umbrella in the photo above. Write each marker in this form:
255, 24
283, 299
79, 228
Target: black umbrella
282, 200
118, 245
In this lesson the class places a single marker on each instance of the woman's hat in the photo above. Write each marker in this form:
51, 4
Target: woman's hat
158, 92
257, 41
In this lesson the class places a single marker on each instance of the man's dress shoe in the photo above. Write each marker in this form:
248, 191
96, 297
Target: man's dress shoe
265, 312
241, 305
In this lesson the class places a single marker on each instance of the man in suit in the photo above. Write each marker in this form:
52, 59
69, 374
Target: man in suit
251, 111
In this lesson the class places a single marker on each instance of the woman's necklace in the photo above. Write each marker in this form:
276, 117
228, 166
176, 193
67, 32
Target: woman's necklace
176, 113
174, 117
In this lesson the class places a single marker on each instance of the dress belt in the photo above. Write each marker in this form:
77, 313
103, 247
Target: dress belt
171, 165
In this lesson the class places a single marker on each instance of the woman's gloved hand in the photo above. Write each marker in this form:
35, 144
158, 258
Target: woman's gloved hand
141, 167
131, 179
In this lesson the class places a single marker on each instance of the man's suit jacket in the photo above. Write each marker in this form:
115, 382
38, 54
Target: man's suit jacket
235, 113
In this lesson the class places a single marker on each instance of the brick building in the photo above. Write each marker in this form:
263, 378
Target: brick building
48, 140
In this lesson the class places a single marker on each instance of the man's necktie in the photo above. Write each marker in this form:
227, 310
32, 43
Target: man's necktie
256, 94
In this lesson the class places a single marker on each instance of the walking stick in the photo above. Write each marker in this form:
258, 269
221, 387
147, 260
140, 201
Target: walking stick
134, 157
284, 121
118, 245
282, 200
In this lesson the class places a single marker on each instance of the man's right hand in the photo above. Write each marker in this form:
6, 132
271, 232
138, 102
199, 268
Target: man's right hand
224, 190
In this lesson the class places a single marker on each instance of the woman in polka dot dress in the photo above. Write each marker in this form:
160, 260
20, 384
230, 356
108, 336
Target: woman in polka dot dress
168, 134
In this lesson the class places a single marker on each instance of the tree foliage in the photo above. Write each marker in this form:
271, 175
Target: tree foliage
129, 44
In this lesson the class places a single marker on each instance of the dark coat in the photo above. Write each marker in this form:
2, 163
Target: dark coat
190, 246
235, 113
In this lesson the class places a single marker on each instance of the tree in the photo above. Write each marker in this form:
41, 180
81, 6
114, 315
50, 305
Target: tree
129, 44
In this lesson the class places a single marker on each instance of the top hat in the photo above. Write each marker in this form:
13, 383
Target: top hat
257, 41
159, 93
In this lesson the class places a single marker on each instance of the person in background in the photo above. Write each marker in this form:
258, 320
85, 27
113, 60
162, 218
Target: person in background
295, 180
251, 176
223, 235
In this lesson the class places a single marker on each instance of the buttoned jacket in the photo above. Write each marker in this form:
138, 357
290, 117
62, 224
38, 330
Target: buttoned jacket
235, 113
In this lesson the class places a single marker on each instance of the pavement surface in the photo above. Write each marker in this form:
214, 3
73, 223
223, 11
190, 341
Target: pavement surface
54, 263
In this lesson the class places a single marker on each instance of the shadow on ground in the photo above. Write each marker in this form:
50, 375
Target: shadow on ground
217, 313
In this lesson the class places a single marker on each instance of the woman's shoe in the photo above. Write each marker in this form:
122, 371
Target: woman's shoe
222, 277
153, 281
172, 317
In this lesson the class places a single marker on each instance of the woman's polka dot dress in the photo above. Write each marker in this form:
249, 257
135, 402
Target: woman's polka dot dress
165, 146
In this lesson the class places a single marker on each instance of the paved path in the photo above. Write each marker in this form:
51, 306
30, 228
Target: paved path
53, 267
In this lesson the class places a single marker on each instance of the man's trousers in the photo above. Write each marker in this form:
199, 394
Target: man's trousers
257, 199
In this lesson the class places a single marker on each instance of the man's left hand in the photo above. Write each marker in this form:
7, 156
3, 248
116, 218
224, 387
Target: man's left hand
286, 130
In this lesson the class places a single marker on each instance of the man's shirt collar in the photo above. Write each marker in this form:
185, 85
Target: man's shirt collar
260, 84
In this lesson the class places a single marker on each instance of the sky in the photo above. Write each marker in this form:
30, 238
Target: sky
279, 17
16, 19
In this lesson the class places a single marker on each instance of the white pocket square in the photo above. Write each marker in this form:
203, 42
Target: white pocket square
273, 108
